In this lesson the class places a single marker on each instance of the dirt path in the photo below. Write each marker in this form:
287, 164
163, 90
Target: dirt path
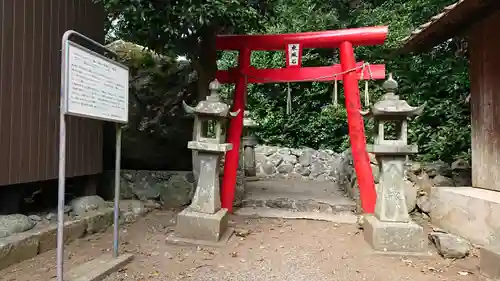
269, 250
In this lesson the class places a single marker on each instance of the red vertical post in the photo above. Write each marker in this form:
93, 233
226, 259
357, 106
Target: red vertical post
234, 133
356, 130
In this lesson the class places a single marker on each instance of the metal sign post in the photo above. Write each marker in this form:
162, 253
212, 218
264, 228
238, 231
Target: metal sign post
92, 86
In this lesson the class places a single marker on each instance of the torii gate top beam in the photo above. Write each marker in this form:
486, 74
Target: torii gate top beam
364, 36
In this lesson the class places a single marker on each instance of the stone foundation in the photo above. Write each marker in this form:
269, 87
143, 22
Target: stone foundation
489, 263
43, 236
26, 245
471, 213
396, 237
201, 226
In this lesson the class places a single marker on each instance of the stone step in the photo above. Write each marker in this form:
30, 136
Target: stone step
297, 196
299, 205
262, 212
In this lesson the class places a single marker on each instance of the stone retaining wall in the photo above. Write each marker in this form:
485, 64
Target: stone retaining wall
326, 165
24, 237
307, 163
175, 189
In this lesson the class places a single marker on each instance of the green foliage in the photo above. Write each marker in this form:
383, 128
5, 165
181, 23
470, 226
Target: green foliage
157, 122
178, 26
438, 78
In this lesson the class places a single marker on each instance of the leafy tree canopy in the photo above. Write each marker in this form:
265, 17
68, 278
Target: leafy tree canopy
438, 77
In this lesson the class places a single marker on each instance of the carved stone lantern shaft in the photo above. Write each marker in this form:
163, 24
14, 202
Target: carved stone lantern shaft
392, 229
249, 144
204, 219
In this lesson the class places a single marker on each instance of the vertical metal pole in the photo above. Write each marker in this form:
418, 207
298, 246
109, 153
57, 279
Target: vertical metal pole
62, 163
61, 192
117, 188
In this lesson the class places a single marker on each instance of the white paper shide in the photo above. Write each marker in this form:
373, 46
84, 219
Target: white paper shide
97, 87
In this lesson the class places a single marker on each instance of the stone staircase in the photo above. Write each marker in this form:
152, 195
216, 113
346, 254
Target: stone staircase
297, 199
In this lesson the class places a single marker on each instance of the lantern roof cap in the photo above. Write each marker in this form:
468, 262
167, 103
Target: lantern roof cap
247, 121
212, 105
391, 105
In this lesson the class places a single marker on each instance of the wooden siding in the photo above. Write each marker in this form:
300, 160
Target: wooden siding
30, 40
485, 102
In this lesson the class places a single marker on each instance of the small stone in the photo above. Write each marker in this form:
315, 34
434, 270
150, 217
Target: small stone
462, 177
460, 164
306, 158
35, 218
373, 158
284, 151
68, 209
323, 155
303, 171
415, 167
442, 181
268, 168
375, 172
290, 159
242, 232
16, 223
322, 177
424, 204
426, 217
129, 217
233, 254
51, 217
437, 168
82, 205
285, 168
410, 195
275, 159
424, 183
450, 246
134, 206
270, 151
317, 169
360, 221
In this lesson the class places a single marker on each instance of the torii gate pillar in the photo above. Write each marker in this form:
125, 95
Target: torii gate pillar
234, 132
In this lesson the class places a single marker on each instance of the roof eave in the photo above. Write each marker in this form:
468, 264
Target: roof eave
454, 21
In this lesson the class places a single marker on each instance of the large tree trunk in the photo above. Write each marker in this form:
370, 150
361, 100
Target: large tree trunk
206, 67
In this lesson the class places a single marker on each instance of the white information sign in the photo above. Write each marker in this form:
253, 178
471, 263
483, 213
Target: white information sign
97, 87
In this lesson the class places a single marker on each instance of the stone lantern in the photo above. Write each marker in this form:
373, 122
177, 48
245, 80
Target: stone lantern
204, 222
249, 144
391, 229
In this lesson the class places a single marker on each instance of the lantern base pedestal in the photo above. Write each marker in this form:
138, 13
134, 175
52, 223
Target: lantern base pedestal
395, 237
201, 228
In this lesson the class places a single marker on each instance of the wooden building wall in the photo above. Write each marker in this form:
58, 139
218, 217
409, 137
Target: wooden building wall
30, 42
484, 54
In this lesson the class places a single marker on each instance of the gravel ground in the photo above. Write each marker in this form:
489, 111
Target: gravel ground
262, 250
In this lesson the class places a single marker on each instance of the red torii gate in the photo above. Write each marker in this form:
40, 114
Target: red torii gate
293, 44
